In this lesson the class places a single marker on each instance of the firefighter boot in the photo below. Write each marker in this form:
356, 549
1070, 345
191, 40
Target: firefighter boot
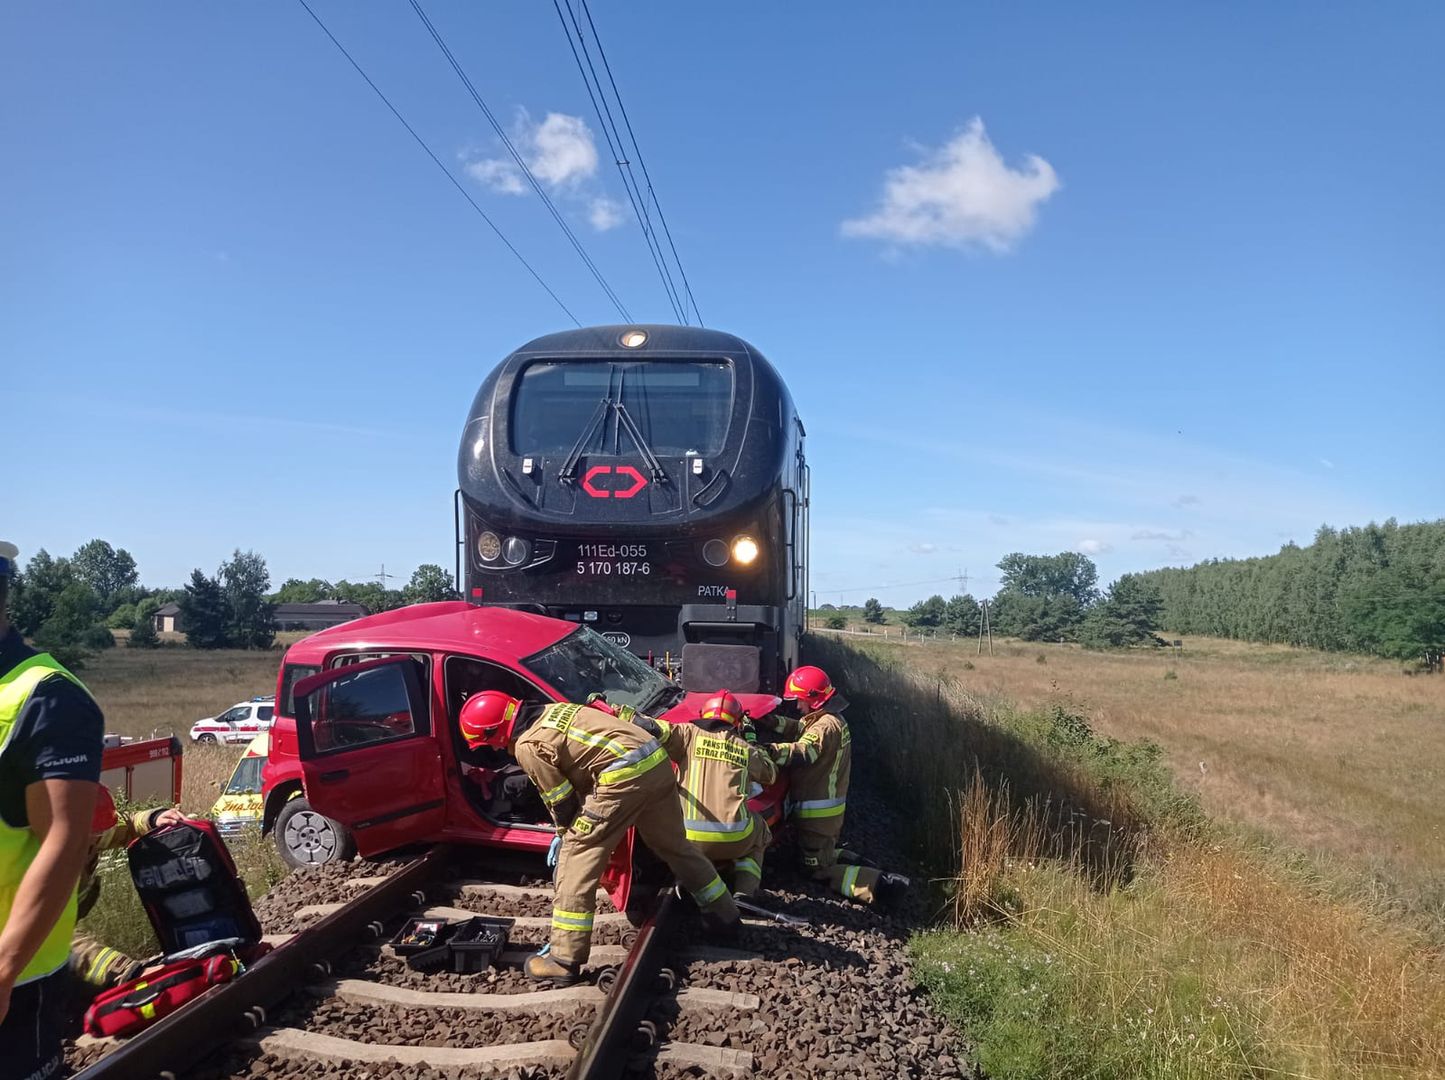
543, 967
890, 892
719, 929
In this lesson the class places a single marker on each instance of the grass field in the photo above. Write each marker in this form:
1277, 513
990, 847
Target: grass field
1097, 925
1337, 756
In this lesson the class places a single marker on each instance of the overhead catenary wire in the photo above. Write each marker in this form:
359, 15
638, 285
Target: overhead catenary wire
438, 163
642, 164
526, 170
617, 148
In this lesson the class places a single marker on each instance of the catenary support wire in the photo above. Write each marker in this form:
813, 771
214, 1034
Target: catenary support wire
437, 162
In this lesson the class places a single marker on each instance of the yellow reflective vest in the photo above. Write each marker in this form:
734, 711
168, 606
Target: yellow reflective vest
18, 847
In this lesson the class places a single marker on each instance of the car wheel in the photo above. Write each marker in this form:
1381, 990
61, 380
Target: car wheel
206, 739
306, 838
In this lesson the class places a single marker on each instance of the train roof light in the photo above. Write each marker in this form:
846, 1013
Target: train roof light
633, 339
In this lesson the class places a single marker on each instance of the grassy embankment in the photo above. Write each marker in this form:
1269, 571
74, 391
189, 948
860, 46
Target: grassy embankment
1103, 921
164, 691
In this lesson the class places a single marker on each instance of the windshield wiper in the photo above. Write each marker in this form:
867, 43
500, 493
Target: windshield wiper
630, 426
569, 464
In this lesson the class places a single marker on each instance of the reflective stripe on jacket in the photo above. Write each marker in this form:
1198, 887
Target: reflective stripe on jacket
819, 763
574, 749
716, 767
18, 847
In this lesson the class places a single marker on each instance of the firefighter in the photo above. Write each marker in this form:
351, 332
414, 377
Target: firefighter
94, 966
716, 768
819, 760
51, 740
599, 775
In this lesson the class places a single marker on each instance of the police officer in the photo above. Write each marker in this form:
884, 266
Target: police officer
716, 769
51, 739
819, 759
599, 775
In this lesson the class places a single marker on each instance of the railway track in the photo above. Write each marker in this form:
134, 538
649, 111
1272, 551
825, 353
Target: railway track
333, 994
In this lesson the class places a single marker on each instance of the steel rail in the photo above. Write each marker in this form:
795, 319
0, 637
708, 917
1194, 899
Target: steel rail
236, 1008
608, 1048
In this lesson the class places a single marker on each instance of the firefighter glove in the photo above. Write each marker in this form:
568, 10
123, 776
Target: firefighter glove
553, 849
750, 733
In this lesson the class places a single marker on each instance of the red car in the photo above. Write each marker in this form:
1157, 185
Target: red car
376, 761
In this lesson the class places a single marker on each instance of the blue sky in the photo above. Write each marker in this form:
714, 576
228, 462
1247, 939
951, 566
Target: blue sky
1152, 283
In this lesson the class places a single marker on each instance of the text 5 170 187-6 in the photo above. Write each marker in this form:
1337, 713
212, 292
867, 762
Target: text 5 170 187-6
611, 567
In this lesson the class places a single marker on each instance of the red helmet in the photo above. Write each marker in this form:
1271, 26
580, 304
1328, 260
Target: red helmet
487, 719
104, 816
809, 685
725, 707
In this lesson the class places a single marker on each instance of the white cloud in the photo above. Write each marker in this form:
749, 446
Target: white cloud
961, 195
923, 548
1093, 547
1160, 534
561, 152
605, 213
1327, 463
499, 175
1186, 500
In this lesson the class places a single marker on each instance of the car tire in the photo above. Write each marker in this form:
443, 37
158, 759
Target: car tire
206, 739
306, 838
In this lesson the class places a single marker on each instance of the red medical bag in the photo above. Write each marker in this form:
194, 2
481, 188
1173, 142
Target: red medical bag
190, 889
140, 1002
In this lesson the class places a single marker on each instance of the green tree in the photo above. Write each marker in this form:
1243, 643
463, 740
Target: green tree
122, 618
1044, 597
296, 591
250, 617
33, 595
74, 628
106, 570
836, 621
873, 611
928, 612
375, 598
143, 634
1129, 614
961, 615
204, 613
429, 582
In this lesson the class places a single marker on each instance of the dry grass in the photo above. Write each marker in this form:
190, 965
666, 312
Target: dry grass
1341, 757
166, 690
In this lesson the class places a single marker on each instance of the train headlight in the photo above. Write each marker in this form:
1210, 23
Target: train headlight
715, 553
489, 547
515, 551
745, 550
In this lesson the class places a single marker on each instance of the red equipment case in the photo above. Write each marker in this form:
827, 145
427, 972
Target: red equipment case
189, 886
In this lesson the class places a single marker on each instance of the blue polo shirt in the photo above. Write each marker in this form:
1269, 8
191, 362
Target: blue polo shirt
59, 735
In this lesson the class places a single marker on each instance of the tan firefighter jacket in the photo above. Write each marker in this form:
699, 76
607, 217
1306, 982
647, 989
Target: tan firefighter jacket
570, 750
818, 763
118, 835
715, 770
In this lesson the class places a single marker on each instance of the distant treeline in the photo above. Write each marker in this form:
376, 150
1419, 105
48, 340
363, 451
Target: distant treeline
1378, 589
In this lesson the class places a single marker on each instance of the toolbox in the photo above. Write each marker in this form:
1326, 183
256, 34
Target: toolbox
423, 943
477, 943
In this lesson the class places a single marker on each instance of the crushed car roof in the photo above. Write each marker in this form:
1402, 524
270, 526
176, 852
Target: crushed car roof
453, 625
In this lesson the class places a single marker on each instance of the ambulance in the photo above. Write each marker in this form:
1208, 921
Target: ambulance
240, 805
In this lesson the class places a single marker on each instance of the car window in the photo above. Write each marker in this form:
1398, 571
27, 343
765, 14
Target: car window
267, 712
236, 715
584, 662
246, 780
368, 707
466, 675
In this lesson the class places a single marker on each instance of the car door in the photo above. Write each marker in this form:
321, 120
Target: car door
368, 758
233, 718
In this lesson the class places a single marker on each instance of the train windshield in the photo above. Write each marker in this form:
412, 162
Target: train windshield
584, 662
678, 406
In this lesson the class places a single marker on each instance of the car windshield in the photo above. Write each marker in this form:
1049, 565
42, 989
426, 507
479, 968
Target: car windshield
246, 780
584, 662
